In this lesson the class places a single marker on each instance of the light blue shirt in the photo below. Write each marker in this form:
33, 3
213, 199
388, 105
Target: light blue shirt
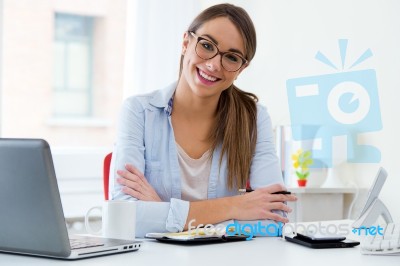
146, 140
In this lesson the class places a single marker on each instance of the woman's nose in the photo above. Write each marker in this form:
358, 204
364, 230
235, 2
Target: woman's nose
214, 64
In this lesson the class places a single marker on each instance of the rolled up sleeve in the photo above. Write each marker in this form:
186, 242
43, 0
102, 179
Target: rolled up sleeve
161, 216
129, 147
265, 168
177, 215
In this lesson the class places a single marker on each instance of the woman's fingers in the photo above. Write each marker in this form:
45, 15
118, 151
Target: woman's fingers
130, 177
280, 206
136, 185
134, 171
129, 183
138, 176
263, 204
282, 197
277, 217
274, 188
131, 192
277, 197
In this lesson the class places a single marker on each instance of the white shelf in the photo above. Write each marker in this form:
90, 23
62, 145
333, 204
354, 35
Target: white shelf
319, 204
321, 190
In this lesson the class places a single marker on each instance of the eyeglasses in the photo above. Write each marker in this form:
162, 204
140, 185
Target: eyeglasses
206, 49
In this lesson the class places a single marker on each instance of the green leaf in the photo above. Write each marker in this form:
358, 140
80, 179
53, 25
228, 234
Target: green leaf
306, 175
307, 154
299, 175
309, 162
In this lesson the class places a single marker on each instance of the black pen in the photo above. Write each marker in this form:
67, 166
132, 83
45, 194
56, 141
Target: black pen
282, 192
242, 191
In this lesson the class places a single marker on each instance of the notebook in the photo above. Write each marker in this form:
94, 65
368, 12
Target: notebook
197, 237
231, 230
32, 220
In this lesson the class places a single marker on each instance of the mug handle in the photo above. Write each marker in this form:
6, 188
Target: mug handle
89, 229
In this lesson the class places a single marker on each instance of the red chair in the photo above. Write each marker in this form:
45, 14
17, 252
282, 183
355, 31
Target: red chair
106, 174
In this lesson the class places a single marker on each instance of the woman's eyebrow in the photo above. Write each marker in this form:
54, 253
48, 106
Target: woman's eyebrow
215, 41
210, 37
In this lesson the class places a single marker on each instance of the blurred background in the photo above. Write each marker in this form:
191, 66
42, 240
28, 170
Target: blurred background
67, 65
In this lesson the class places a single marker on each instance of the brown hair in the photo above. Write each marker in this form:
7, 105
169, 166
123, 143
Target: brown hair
236, 122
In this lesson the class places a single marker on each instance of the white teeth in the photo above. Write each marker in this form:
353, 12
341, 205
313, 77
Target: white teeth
207, 77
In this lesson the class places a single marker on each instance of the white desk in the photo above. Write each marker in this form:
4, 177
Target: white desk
259, 251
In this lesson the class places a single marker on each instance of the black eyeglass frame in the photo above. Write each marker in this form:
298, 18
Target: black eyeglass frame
199, 38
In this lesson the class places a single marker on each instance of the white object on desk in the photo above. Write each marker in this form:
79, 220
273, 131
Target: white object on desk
386, 244
371, 214
374, 207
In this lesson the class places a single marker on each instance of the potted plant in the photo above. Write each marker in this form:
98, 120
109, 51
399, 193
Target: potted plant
301, 162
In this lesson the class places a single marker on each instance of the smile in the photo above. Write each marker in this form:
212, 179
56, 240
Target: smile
206, 77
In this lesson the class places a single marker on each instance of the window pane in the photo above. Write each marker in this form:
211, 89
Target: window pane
78, 67
59, 65
73, 66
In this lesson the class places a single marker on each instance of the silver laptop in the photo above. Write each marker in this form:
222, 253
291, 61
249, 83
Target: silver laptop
31, 215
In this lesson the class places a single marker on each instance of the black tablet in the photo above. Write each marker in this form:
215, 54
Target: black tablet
335, 243
201, 240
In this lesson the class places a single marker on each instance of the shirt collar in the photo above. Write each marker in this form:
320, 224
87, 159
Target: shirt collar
164, 98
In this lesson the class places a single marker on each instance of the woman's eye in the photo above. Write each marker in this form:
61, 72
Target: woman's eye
207, 46
233, 58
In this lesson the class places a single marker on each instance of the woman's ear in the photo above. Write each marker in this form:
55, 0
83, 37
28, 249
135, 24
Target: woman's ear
185, 42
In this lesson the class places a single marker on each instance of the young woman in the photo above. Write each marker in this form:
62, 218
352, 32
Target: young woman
184, 151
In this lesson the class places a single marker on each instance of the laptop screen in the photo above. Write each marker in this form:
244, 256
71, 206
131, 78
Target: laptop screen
32, 219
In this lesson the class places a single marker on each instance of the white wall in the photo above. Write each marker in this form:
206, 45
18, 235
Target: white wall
154, 42
290, 33
80, 178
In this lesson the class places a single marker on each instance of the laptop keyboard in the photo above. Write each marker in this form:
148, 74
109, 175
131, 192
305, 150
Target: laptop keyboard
85, 242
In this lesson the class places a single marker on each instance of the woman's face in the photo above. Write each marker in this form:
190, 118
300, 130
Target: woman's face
207, 77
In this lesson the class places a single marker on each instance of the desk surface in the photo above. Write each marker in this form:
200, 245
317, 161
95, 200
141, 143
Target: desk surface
259, 251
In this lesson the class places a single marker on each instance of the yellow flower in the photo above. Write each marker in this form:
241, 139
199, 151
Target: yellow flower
301, 161
295, 156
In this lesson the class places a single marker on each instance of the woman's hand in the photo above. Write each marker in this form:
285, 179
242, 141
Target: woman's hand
135, 184
259, 204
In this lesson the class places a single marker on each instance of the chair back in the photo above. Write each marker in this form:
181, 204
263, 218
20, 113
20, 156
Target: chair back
106, 174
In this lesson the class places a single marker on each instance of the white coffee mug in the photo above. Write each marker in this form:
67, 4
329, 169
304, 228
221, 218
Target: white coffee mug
118, 219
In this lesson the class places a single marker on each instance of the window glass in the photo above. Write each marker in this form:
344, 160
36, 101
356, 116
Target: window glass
62, 71
72, 66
